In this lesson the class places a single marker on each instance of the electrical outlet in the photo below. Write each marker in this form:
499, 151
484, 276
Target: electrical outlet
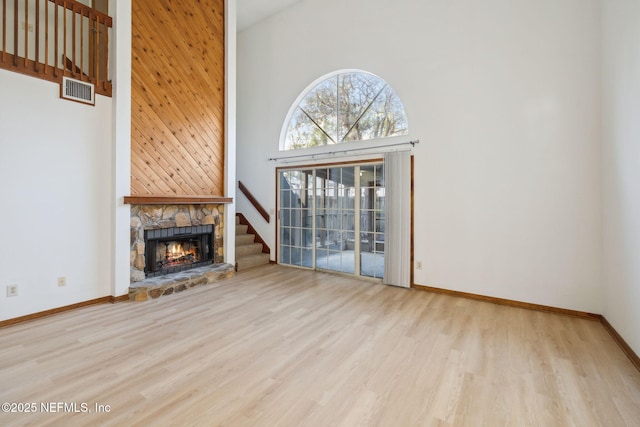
12, 291
28, 28
419, 265
62, 281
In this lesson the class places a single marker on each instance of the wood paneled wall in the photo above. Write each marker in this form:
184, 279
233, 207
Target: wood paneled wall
177, 110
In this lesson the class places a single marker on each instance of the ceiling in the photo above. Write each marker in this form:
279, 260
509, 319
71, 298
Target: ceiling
253, 11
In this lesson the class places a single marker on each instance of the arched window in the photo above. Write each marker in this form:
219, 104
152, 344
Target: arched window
344, 107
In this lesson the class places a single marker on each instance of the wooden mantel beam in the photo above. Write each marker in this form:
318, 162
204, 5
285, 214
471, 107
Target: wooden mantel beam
176, 200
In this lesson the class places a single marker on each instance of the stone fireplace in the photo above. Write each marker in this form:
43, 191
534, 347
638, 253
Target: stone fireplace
170, 250
168, 239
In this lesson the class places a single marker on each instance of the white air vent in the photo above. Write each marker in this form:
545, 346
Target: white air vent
77, 90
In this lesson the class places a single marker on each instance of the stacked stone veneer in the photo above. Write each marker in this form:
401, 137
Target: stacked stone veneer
156, 287
150, 217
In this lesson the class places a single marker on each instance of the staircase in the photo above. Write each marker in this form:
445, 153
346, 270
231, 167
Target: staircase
249, 253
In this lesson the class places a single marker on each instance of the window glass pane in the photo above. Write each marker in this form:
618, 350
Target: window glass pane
348, 220
352, 106
285, 217
335, 175
348, 201
296, 237
322, 258
307, 258
347, 264
380, 199
302, 133
333, 219
356, 92
385, 117
367, 221
285, 198
285, 236
367, 176
285, 254
320, 104
296, 256
380, 175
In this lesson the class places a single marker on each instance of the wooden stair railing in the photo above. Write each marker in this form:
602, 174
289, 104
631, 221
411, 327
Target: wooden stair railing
263, 212
49, 39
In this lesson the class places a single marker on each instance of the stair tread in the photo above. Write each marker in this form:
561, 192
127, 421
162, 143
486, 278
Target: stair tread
249, 261
248, 244
254, 256
241, 229
249, 249
245, 239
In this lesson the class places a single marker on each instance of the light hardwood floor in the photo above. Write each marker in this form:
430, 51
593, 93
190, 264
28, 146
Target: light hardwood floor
288, 347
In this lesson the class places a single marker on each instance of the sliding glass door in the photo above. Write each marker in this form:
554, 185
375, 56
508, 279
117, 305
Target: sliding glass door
332, 218
335, 219
296, 217
372, 220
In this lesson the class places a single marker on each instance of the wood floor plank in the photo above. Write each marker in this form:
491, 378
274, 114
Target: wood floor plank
290, 347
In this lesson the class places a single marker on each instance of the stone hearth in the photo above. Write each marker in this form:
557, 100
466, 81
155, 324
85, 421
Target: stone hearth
156, 287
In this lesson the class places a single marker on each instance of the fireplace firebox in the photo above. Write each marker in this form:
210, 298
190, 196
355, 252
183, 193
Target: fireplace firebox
170, 250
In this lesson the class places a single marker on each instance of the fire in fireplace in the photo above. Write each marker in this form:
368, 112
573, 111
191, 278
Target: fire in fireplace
170, 250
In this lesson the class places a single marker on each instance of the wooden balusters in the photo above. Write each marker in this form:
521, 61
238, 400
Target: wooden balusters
105, 56
4, 28
46, 37
82, 45
37, 24
64, 38
15, 32
37, 41
55, 57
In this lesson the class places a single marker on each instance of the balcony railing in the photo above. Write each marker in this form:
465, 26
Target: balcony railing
51, 39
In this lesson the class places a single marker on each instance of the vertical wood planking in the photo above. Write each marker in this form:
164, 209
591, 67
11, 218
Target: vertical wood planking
177, 98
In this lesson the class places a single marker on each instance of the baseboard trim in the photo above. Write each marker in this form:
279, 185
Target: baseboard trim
28, 317
511, 303
121, 298
626, 349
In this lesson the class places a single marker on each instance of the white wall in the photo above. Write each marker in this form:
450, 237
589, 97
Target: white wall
504, 97
120, 67
230, 105
56, 175
621, 159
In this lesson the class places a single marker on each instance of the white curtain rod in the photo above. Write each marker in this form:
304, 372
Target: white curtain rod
348, 150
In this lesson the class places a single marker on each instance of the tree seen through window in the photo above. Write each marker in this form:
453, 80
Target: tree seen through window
347, 107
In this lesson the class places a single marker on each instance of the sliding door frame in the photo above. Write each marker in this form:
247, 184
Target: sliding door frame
354, 163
